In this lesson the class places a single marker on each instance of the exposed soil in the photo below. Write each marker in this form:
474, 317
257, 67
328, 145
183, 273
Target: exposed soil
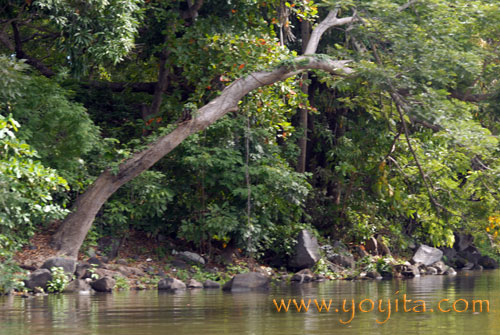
138, 251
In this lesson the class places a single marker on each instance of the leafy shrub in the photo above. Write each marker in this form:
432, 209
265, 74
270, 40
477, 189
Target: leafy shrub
11, 277
59, 280
92, 270
26, 187
121, 283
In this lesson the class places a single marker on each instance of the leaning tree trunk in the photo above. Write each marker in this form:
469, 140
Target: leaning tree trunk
72, 232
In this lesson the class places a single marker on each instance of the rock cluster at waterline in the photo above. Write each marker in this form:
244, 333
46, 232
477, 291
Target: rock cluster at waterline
311, 262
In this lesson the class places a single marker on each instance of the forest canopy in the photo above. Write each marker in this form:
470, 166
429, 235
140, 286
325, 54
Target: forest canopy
242, 122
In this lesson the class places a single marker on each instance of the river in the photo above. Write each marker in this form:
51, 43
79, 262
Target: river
209, 312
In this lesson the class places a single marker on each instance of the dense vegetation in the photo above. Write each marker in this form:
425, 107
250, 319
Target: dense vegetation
405, 146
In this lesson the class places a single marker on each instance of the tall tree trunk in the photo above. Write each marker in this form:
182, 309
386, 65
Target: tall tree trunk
301, 163
75, 227
160, 87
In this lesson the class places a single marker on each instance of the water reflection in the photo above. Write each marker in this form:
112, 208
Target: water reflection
214, 312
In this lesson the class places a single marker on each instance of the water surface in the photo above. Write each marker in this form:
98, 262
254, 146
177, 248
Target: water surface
209, 312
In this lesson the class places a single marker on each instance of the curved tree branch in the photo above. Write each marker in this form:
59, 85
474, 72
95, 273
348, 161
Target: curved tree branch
20, 54
330, 21
73, 230
407, 5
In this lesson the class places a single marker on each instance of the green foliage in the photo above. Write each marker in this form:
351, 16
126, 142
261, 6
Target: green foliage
90, 241
26, 188
366, 174
11, 277
93, 274
487, 245
11, 81
59, 280
93, 31
139, 205
384, 265
145, 282
322, 268
56, 127
277, 192
237, 268
11, 274
121, 283
202, 275
183, 275
364, 163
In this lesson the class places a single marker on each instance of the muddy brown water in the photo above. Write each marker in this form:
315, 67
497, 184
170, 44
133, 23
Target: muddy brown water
209, 312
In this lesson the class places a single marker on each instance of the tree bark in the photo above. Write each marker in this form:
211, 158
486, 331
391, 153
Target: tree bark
20, 54
301, 163
310, 43
73, 230
160, 88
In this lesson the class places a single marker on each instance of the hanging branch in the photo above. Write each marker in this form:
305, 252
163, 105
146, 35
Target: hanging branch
400, 106
393, 146
434, 203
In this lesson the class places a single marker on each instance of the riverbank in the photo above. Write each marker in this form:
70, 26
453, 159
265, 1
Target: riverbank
142, 263
152, 312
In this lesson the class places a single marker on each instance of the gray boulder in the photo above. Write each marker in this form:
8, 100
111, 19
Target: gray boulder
460, 262
101, 273
211, 284
77, 285
411, 271
336, 248
68, 264
191, 257
488, 262
105, 284
468, 266
450, 254
387, 274
306, 251
440, 267
335, 268
344, 260
171, 284
38, 278
128, 271
81, 269
427, 255
121, 261
179, 264
319, 277
463, 241
408, 270
247, 282
373, 275
450, 271
303, 276
471, 255
193, 283
431, 271
94, 261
